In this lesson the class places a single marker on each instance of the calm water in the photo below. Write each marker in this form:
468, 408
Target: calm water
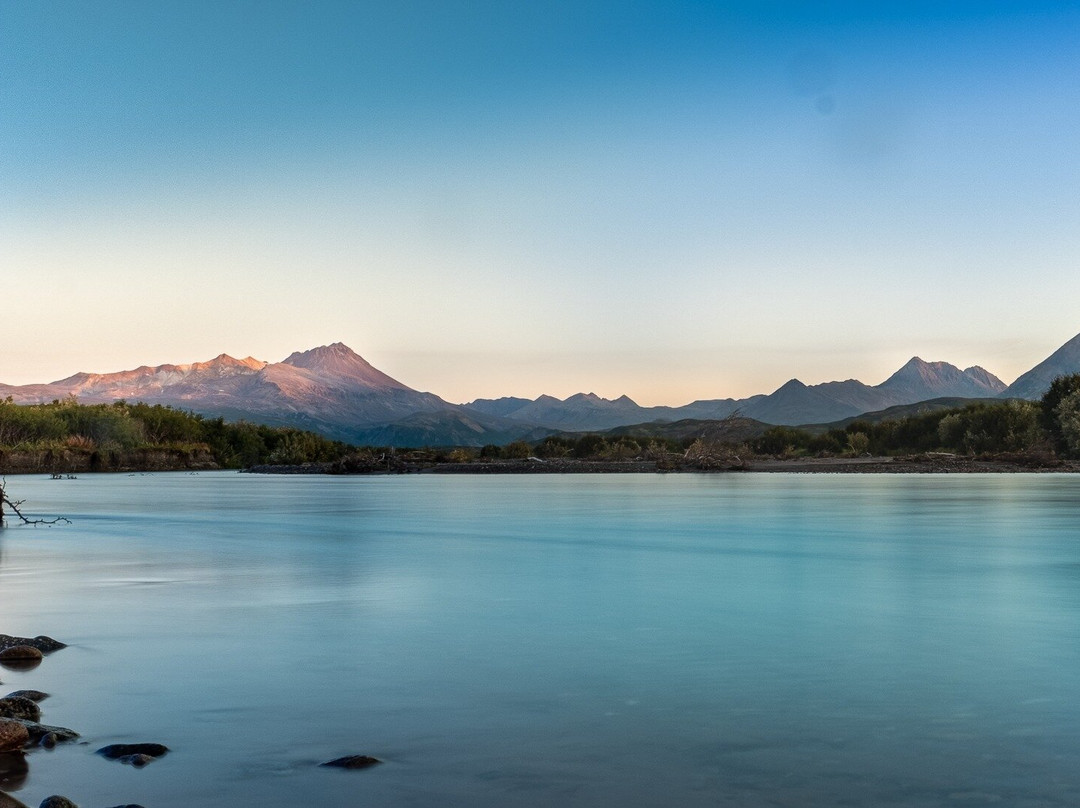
732, 640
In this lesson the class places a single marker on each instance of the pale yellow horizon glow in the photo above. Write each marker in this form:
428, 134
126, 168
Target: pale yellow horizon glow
481, 311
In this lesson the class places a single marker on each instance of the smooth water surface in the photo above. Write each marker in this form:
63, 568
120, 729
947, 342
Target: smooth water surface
637, 640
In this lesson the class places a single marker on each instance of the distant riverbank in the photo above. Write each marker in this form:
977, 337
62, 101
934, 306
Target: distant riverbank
80, 461
73, 461
917, 464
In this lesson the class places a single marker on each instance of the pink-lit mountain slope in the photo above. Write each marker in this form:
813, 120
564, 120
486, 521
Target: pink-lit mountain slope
329, 389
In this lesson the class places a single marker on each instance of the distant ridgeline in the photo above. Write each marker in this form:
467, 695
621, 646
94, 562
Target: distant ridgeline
333, 391
65, 436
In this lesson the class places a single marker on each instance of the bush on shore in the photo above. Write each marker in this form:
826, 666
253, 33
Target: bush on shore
122, 429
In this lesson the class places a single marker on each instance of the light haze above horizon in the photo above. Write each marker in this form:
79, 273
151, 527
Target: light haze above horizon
668, 200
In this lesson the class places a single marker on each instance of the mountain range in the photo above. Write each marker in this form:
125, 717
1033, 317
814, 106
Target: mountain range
793, 403
334, 391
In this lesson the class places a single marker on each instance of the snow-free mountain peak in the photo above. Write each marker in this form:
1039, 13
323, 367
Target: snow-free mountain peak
789, 386
984, 377
342, 364
919, 380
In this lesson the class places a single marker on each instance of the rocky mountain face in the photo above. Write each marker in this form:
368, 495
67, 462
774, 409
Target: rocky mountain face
329, 389
919, 380
1062, 362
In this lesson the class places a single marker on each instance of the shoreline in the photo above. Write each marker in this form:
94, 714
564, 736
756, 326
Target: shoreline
931, 463
923, 464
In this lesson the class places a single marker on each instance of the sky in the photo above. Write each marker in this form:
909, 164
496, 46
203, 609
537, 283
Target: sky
671, 200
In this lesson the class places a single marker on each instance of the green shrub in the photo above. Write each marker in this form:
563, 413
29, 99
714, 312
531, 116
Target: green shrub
1068, 417
1050, 416
518, 450
589, 446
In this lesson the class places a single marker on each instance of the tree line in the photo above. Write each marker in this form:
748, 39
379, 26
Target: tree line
1049, 427
66, 426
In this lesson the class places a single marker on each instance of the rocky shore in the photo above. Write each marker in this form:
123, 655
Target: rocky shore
22, 734
21, 730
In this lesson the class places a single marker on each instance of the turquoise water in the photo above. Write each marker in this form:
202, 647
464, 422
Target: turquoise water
637, 640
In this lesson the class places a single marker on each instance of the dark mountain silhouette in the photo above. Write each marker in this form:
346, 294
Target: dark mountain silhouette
900, 411
500, 407
1062, 362
454, 427
792, 404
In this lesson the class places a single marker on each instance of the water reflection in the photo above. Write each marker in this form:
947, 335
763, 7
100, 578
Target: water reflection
13, 770
19, 664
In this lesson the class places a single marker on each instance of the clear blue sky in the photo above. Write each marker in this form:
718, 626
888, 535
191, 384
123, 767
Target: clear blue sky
669, 200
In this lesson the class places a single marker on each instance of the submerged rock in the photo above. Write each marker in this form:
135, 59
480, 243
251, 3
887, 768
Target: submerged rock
13, 735
33, 695
7, 801
118, 751
56, 801
38, 731
353, 762
42, 643
19, 707
48, 740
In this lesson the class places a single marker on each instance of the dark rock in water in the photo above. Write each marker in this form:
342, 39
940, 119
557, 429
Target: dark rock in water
13, 735
56, 801
129, 805
42, 643
20, 657
7, 801
38, 731
119, 750
20, 653
33, 695
138, 761
13, 769
48, 740
19, 707
352, 762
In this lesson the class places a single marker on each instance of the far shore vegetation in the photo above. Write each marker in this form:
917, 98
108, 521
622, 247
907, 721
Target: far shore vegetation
65, 437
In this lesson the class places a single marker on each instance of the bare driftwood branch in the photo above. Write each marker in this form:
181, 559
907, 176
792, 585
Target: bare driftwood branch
15, 506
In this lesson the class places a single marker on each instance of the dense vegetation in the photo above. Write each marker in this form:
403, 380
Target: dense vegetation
977, 429
1046, 429
104, 434
1039, 432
